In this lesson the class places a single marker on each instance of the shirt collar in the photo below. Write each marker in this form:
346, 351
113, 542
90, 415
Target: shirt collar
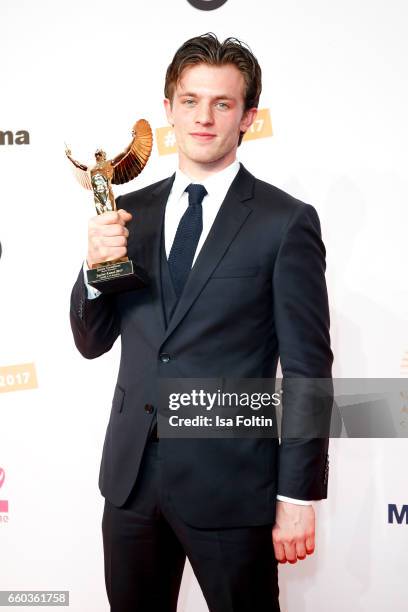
215, 184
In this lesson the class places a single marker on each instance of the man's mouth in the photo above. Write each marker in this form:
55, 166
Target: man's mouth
202, 135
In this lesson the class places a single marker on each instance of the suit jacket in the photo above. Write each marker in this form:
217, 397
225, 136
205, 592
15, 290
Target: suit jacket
256, 292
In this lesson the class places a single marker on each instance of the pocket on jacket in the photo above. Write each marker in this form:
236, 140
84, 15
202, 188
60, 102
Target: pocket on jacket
234, 271
118, 399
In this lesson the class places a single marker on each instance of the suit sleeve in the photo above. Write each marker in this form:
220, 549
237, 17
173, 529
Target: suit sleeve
94, 322
302, 325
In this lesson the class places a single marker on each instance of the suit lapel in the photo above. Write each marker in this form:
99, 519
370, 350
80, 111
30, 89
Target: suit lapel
152, 229
231, 216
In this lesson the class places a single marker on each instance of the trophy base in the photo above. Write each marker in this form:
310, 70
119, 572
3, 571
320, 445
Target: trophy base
117, 277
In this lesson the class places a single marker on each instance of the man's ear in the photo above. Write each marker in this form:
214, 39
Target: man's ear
169, 111
248, 118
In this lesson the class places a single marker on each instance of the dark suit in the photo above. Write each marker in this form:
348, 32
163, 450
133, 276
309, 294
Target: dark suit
256, 292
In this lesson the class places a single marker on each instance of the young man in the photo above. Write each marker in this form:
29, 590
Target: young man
236, 270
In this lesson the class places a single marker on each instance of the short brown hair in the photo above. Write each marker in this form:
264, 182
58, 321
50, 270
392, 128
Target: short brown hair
207, 49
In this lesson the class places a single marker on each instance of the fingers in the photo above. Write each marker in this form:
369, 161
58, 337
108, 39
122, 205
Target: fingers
300, 550
285, 549
112, 241
310, 544
279, 550
290, 550
113, 216
124, 215
293, 534
105, 254
114, 229
107, 236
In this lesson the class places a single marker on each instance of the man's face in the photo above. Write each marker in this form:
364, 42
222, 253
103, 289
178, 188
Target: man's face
207, 112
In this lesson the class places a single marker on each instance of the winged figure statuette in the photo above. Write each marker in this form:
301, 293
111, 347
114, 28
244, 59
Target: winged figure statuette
121, 169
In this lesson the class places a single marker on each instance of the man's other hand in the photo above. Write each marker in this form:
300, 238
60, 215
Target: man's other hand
293, 534
107, 236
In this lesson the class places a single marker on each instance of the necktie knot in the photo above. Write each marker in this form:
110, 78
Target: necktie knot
196, 193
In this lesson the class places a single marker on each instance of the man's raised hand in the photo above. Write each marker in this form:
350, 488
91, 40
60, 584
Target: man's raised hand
107, 236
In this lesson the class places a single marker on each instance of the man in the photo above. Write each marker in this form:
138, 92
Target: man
236, 270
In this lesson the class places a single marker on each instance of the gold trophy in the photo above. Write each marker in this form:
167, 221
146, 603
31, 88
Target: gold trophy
121, 274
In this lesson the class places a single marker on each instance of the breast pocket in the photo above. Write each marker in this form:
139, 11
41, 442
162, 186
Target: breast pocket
235, 271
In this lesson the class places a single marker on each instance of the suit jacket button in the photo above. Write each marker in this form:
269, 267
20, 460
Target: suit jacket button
149, 408
164, 357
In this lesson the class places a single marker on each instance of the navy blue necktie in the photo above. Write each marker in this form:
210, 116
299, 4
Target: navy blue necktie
187, 236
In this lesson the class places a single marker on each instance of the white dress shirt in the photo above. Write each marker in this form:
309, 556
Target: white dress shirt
217, 186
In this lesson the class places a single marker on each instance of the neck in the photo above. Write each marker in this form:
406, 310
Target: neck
201, 171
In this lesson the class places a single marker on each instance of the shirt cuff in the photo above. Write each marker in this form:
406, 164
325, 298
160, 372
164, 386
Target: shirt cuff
291, 500
92, 293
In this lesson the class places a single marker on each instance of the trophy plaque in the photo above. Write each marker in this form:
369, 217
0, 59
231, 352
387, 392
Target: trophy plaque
120, 274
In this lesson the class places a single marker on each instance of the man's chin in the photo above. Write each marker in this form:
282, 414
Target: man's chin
206, 157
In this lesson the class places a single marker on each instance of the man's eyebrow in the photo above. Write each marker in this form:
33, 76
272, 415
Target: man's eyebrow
186, 93
194, 95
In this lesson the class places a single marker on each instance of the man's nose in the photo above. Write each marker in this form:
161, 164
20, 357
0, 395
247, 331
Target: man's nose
204, 114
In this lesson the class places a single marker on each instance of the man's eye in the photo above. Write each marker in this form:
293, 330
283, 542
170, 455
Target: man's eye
189, 102
222, 105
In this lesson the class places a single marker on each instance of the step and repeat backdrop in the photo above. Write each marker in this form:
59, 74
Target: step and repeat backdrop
331, 130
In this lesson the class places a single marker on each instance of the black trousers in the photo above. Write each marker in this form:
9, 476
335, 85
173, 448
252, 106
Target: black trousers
146, 543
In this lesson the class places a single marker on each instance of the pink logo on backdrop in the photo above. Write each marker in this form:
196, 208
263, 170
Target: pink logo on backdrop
3, 502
